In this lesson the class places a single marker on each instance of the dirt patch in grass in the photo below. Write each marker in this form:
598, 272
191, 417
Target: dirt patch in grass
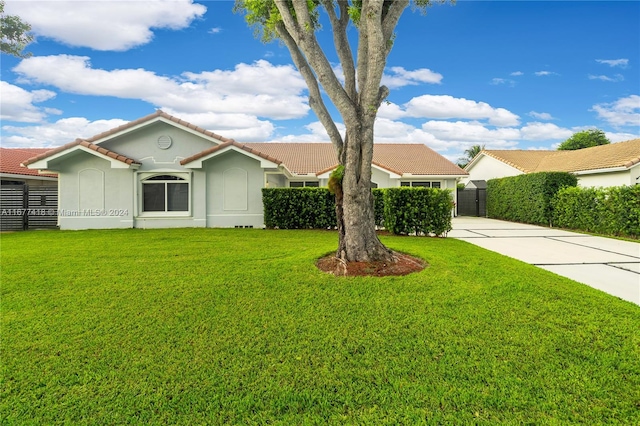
404, 264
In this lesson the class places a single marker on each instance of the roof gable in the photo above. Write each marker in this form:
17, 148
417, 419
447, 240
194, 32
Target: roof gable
153, 118
197, 159
117, 160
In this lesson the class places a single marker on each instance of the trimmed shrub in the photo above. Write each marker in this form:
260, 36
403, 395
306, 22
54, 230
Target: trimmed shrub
299, 208
609, 211
526, 198
419, 211
378, 206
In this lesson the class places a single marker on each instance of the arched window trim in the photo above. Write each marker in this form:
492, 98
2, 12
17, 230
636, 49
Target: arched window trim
170, 195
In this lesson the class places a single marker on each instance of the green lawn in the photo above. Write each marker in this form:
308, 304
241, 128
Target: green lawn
211, 326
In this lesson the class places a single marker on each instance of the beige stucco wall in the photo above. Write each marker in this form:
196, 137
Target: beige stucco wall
619, 178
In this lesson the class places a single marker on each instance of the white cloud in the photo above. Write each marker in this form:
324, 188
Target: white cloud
399, 77
544, 131
391, 111
259, 89
261, 77
545, 73
499, 81
448, 107
241, 127
471, 132
622, 63
517, 73
17, 104
54, 134
541, 115
615, 78
620, 137
215, 30
623, 112
317, 133
105, 25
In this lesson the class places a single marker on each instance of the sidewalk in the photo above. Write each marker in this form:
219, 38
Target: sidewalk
607, 264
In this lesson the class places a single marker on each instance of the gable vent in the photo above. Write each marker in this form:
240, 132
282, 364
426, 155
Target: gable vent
164, 142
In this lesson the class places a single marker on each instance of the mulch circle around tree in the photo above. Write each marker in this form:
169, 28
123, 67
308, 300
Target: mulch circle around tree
404, 265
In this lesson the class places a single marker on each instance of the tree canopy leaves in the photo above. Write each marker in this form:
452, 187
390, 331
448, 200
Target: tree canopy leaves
584, 139
469, 154
14, 34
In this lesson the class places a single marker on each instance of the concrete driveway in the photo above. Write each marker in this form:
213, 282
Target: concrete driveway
607, 264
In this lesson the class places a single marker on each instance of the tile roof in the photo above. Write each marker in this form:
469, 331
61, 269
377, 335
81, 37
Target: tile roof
317, 158
416, 159
86, 144
620, 154
524, 160
300, 158
11, 158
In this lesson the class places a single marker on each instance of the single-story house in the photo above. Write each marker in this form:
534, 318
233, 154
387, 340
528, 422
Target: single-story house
11, 173
615, 164
160, 171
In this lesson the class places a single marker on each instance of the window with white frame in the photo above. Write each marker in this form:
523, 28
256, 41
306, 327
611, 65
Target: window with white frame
165, 193
423, 184
303, 184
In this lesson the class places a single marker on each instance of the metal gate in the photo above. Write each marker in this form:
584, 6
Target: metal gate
23, 207
472, 202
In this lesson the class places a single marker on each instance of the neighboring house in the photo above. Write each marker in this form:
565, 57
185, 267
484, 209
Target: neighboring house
160, 171
28, 199
614, 164
11, 173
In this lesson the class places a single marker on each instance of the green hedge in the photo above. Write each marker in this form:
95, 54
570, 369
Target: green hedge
611, 211
526, 198
299, 208
378, 206
420, 211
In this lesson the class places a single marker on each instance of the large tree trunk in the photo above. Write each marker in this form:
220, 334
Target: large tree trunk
358, 241
357, 100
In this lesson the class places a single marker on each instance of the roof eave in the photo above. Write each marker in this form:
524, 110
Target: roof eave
44, 163
26, 176
431, 176
604, 170
196, 163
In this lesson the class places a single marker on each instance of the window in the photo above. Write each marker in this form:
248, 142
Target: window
303, 184
165, 193
423, 184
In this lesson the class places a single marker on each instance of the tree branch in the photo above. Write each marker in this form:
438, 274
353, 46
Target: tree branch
341, 42
316, 58
315, 97
390, 20
377, 56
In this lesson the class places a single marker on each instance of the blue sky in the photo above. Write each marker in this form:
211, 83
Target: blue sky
506, 74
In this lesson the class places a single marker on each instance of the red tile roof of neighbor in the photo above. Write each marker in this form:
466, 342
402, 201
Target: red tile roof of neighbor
299, 158
11, 158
